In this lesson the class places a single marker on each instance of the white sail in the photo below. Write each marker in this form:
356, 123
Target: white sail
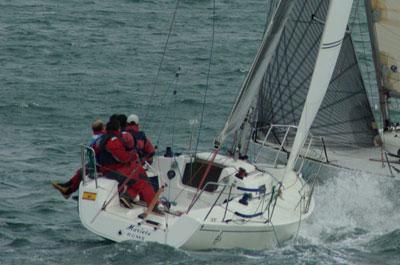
386, 29
255, 76
331, 42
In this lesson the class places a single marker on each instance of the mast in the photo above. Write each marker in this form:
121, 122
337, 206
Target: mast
331, 42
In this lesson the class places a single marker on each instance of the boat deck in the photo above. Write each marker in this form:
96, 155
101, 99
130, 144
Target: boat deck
371, 160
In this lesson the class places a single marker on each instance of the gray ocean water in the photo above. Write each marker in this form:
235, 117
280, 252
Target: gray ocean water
64, 63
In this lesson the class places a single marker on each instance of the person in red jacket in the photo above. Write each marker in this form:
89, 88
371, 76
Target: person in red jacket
143, 145
67, 188
117, 160
118, 163
129, 142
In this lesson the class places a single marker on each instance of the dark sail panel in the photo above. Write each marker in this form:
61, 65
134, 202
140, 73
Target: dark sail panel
345, 116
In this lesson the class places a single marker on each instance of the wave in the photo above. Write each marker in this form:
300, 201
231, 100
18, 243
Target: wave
358, 200
19, 242
22, 106
353, 210
386, 243
190, 101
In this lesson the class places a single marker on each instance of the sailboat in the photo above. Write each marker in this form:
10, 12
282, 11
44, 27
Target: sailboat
220, 201
352, 129
383, 26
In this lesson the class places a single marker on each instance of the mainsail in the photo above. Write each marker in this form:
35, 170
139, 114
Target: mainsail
345, 118
384, 25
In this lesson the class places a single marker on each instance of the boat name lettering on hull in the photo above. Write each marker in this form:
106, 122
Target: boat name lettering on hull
137, 232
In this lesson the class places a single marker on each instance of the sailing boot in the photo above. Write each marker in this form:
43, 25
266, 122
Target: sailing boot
126, 200
63, 188
159, 210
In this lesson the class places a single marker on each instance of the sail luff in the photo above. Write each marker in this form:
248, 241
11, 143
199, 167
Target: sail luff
375, 56
254, 78
330, 45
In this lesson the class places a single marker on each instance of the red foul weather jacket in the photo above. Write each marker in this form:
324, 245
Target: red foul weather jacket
143, 145
123, 161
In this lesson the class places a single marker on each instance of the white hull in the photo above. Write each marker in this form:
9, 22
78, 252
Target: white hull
204, 226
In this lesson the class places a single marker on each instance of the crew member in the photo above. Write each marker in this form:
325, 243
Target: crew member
143, 145
67, 188
118, 163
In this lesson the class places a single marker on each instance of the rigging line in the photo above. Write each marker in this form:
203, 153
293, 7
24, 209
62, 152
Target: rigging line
326, 129
203, 178
316, 36
325, 125
172, 84
174, 122
207, 80
286, 74
166, 96
292, 94
285, 51
298, 226
270, 80
271, 6
162, 60
302, 85
276, 235
301, 102
306, 79
355, 93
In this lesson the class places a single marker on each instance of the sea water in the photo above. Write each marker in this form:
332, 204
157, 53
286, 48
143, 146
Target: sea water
65, 63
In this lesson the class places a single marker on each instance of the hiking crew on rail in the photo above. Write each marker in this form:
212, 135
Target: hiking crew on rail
119, 155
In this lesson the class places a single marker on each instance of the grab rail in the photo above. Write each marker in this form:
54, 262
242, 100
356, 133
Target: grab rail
390, 164
309, 150
88, 164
